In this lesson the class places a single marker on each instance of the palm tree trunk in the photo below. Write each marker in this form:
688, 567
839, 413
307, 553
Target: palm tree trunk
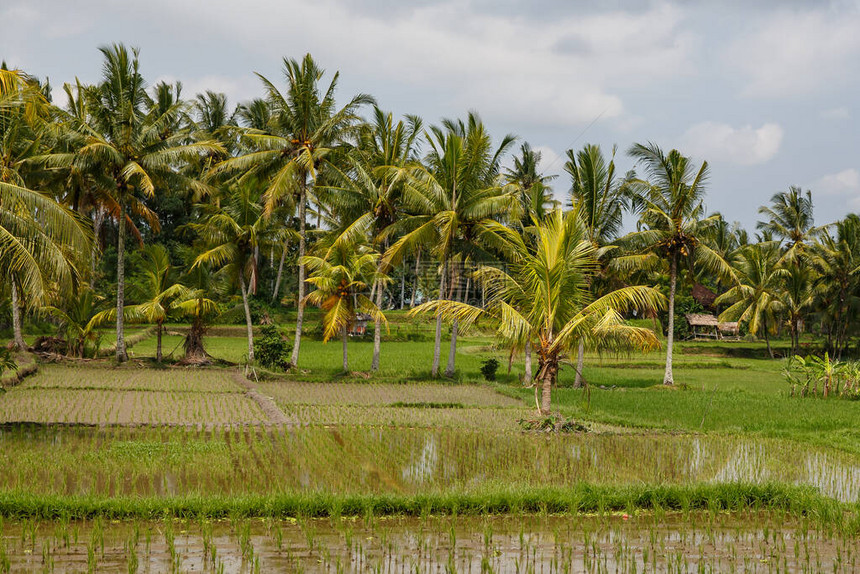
527, 376
547, 381
403, 289
300, 314
158, 342
580, 358
344, 334
280, 275
417, 284
98, 220
377, 333
20, 344
437, 345
248, 323
668, 377
121, 354
767, 339
451, 368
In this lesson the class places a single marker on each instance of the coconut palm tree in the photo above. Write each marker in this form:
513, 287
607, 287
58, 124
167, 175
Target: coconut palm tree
366, 195
797, 297
233, 232
755, 299
40, 240
790, 219
303, 129
544, 299
533, 188
671, 210
458, 201
341, 275
128, 145
598, 196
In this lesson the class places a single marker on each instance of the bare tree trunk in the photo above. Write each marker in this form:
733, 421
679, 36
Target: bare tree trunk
437, 346
20, 344
345, 337
300, 314
248, 323
668, 377
377, 334
580, 358
280, 274
121, 354
527, 376
767, 339
158, 342
403, 289
417, 282
98, 220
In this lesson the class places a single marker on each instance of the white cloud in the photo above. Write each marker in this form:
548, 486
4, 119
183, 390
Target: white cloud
844, 182
797, 52
746, 145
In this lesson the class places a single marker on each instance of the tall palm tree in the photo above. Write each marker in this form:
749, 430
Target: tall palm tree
533, 188
366, 195
755, 299
341, 275
233, 233
671, 210
797, 297
40, 240
597, 195
544, 299
304, 128
790, 219
128, 145
458, 201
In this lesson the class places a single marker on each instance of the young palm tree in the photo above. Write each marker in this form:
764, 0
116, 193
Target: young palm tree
458, 200
233, 233
156, 287
304, 127
755, 299
671, 218
128, 146
599, 198
341, 276
544, 299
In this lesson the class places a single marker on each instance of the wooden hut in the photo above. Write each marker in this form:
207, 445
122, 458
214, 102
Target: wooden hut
703, 326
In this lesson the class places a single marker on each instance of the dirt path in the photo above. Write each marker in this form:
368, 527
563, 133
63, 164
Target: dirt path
273, 412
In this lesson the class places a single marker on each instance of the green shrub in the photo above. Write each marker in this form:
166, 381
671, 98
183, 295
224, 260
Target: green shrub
272, 349
489, 368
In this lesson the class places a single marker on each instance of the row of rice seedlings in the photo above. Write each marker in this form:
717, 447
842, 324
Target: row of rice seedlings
369, 394
253, 460
128, 407
129, 378
488, 419
702, 542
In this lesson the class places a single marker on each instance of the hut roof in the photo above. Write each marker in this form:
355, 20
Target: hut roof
703, 295
699, 320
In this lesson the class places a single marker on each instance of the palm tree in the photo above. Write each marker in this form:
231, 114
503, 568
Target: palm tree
156, 287
76, 320
755, 299
233, 233
304, 128
797, 297
458, 200
366, 196
39, 239
672, 224
533, 189
544, 299
128, 146
599, 198
341, 276
790, 219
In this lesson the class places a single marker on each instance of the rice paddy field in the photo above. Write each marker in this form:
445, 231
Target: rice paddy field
144, 469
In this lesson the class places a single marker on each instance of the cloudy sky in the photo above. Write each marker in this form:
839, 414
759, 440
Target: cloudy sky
765, 91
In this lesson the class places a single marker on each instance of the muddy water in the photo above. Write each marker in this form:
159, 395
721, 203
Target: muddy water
644, 543
176, 461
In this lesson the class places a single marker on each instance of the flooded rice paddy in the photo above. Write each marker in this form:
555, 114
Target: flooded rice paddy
753, 542
159, 461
